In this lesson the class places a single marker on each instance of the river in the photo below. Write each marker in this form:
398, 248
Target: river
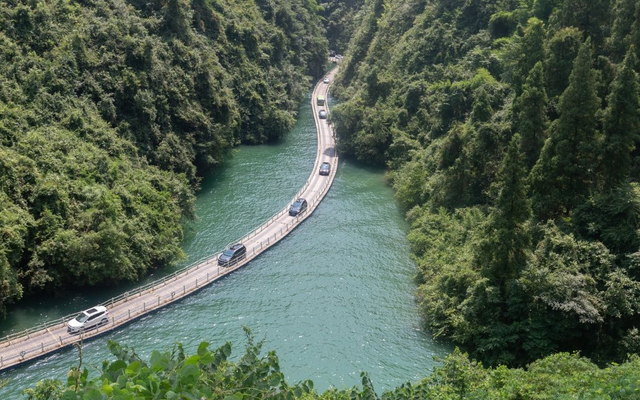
334, 298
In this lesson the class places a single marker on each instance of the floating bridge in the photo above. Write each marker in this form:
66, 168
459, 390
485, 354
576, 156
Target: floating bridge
42, 340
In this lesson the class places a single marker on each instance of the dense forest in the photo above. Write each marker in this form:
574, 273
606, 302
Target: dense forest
211, 374
510, 130
112, 110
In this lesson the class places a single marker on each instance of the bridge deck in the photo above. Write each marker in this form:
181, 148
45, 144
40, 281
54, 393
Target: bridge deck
38, 342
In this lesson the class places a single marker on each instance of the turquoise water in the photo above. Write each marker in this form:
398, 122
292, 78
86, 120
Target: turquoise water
334, 298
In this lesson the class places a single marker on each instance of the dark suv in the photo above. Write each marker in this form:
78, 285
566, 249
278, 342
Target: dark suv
325, 168
232, 255
298, 207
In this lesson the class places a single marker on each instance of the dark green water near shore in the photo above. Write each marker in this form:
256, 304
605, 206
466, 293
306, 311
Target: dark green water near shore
332, 299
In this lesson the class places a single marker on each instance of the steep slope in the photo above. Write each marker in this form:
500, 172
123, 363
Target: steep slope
510, 131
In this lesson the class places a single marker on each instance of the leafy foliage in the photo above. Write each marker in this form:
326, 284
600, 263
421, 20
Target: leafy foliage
211, 374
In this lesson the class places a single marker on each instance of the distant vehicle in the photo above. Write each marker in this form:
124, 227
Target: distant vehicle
320, 100
88, 319
325, 80
232, 255
322, 114
325, 168
298, 207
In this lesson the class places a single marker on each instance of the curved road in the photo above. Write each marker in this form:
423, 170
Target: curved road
38, 342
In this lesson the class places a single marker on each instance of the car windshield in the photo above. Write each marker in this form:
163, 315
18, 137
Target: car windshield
82, 317
228, 253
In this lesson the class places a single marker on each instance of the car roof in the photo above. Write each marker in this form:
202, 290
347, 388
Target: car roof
300, 200
236, 246
95, 310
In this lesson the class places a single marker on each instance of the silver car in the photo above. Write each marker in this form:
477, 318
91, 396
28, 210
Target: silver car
88, 319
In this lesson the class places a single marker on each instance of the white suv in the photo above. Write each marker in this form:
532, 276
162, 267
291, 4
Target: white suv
88, 319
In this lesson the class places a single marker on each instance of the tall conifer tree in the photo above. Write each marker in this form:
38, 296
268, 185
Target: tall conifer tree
532, 119
504, 250
531, 52
564, 174
621, 123
619, 40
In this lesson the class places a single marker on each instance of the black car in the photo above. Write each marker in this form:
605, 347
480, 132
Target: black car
325, 168
232, 255
298, 207
322, 114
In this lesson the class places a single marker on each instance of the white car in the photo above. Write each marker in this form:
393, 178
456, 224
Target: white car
88, 319
325, 80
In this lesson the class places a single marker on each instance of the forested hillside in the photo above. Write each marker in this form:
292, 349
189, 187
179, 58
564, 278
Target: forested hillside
510, 130
111, 110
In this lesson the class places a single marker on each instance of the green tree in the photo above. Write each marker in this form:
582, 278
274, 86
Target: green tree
590, 16
503, 252
624, 16
177, 18
481, 110
542, 8
562, 51
612, 217
531, 52
621, 125
532, 119
565, 173
562, 301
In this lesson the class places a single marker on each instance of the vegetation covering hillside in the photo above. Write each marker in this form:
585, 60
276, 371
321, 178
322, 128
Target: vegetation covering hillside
340, 20
209, 374
510, 129
110, 110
